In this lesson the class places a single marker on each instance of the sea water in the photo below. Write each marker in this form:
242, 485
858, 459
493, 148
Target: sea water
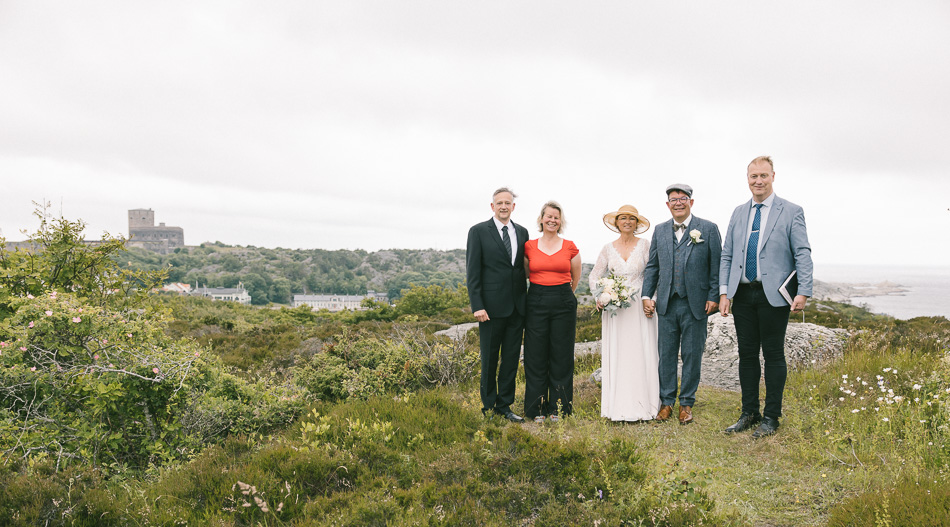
928, 288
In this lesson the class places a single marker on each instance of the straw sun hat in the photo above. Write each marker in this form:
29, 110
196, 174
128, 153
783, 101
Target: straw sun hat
610, 219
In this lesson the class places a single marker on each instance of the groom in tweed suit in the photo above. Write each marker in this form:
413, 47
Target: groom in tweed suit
683, 271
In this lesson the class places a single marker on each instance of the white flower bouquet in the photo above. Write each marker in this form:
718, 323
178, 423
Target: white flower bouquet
613, 293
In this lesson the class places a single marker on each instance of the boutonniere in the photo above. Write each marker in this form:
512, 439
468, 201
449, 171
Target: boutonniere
695, 236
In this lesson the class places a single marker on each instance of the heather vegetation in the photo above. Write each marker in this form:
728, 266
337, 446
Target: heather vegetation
123, 407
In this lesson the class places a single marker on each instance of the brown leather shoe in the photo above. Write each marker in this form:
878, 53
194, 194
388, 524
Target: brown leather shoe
686, 415
666, 411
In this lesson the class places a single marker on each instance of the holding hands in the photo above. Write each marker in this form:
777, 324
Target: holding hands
649, 307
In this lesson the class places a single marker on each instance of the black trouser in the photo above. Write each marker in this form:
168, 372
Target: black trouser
549, 350
760, 325
499, 338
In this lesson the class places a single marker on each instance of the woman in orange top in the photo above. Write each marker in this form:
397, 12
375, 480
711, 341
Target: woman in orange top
553, 265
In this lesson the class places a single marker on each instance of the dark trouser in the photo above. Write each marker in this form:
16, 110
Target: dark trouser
679, 333
549, 350
500, 338
760, 325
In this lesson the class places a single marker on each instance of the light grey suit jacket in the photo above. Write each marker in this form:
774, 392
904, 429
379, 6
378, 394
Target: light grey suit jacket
784, 248
702, 266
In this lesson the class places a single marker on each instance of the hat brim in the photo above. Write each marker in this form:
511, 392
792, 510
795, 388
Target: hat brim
610, 220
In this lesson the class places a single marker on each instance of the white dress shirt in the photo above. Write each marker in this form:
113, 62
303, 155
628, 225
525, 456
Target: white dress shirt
680, 232
763, 221
512, 233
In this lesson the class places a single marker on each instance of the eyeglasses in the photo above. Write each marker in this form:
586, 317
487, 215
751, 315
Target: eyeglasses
674, 201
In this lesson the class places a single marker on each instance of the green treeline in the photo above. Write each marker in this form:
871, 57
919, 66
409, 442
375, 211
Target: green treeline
275, 275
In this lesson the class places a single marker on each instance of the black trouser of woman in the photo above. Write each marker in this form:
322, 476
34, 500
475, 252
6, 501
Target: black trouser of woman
550, 319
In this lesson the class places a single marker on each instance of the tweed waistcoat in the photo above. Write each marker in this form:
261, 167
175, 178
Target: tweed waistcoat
680, 251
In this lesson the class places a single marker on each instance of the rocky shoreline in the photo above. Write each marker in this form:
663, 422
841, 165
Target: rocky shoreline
843, 292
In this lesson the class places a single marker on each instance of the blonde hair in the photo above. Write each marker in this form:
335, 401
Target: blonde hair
767, 159
556, 206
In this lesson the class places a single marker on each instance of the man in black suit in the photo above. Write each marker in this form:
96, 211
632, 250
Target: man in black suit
494, 263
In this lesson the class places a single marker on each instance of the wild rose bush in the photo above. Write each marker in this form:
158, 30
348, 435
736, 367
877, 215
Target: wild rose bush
89, 375
80, 383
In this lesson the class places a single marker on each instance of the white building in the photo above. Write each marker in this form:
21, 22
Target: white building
177, 287
338, 302
232, 294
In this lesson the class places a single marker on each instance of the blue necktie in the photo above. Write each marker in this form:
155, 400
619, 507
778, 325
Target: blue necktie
751, 254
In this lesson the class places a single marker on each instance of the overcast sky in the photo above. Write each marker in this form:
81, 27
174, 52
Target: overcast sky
374, 125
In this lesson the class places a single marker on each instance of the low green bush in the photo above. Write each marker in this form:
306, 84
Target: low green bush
589, 324
914, 502
362, 366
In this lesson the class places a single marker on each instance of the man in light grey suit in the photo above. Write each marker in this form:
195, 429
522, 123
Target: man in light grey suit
683, 271
766, 241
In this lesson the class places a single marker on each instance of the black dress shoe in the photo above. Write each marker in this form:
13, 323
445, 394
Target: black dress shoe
768, 427
511, 416
745, 422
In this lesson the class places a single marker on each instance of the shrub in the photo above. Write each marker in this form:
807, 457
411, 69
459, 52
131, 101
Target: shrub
589, 324
361, 366
431, 300
922, 502
88, 373
83, 384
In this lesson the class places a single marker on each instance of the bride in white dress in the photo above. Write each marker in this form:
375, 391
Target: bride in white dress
630, 386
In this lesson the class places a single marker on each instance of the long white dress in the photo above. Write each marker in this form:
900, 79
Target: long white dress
630, 386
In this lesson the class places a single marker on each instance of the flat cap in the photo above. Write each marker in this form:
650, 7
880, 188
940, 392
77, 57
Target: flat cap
685, 189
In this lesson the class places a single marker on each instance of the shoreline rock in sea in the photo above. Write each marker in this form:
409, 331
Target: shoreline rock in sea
843, 292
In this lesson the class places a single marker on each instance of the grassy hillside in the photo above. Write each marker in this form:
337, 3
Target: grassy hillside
864, 441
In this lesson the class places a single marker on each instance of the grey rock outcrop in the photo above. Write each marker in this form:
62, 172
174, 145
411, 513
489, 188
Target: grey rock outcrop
805, 345
457, 332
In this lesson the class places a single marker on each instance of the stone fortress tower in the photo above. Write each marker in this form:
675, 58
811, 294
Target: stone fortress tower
144, 234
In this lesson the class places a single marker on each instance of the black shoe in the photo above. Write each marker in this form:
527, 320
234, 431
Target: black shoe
768, 427
511, 416
745, 422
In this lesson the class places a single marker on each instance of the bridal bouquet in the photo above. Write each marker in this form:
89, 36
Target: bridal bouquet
613, 293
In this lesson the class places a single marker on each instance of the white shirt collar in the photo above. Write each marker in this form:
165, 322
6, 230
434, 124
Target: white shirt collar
767, 202
499, 225
688, 219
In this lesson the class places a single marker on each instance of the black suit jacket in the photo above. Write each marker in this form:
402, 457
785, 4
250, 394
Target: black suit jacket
494, 284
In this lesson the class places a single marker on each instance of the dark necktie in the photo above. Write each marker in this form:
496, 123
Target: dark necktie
751, 253
507, 240
679, 227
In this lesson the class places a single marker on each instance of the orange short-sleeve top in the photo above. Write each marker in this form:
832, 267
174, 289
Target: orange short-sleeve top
553, 269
